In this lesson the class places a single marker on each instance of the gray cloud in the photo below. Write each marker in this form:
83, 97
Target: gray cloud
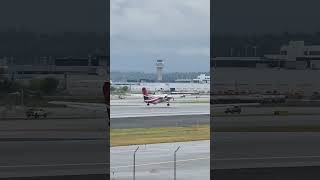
55, 15
251, 16
145, 30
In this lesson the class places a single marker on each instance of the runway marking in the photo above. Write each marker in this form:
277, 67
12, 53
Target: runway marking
155, 147
263, 158
132, 115
165, 162
52, 165
5, 140
147, 150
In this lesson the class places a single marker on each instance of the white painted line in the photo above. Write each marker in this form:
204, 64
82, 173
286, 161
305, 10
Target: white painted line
263, 158
143, 150
159, 163
52, 165
152, 114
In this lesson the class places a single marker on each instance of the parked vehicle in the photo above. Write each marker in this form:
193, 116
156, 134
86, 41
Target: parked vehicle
233, 109
36, 113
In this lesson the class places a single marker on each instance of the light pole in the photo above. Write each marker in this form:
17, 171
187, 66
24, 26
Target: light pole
134, 163
246, 51
175, 163
255, 51
22, 97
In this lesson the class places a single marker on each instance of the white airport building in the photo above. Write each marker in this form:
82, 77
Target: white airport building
79, 76
294, 55
202, 78
201, 84
203, 88
297, 55
296, 68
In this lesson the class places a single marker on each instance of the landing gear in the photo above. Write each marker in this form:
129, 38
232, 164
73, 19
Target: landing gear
148, 104
168, 104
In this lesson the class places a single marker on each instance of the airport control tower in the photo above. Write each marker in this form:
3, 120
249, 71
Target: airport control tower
159, 66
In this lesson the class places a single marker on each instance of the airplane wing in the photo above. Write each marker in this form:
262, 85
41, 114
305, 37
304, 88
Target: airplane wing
88, 106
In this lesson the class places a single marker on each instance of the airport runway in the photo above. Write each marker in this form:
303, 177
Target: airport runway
60, 128
68, 146
264, 117
228, 151
75, 146
139, 115
266, 121
53, 147
262, 110
159, 121
156, 161
264, 149
142, 110
51, 157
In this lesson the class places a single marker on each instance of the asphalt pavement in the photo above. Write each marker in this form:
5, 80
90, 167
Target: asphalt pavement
159, 121
266, 121
156, 161
66, 144
235, 150
142, 110
74, 146
53, 157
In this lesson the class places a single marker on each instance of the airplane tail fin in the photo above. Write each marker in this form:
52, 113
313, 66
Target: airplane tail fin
106, 93
145, 93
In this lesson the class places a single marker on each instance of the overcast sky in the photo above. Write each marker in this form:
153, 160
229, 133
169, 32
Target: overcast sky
174, 30
264, 16
55, 15
177, 31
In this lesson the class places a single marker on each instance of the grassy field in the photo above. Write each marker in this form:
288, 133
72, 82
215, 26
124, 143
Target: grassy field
122, 137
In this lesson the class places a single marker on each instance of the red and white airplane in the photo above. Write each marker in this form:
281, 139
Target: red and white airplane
155, 99
149, 99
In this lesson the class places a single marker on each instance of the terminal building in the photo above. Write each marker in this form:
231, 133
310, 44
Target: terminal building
167, 87
295, 55
91, 65
202, 79
77, 75
294, 69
